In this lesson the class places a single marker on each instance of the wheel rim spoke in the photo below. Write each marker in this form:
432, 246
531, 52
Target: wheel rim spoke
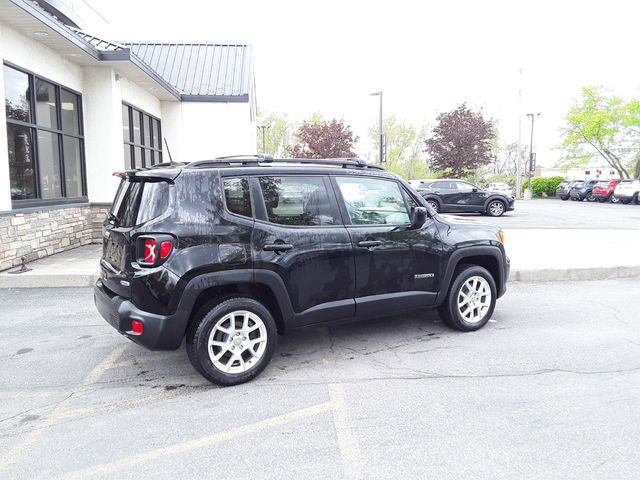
227, 343
474, 299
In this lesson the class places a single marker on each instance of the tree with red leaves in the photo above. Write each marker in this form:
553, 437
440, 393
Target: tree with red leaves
460, 142
324, 139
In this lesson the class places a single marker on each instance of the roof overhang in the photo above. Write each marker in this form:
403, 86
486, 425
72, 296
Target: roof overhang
32, 21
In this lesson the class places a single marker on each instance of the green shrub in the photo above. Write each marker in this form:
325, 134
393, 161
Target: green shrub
544, 186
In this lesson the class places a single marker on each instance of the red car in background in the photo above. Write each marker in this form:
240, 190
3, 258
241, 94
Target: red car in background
603, 190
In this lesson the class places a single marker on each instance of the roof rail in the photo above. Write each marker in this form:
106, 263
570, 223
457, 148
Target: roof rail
265, 159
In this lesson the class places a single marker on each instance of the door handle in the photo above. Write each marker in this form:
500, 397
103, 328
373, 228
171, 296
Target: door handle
369, 243
277, 247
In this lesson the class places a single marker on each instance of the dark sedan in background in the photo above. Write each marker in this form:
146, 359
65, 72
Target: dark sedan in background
583, 191
452, 195
564, 189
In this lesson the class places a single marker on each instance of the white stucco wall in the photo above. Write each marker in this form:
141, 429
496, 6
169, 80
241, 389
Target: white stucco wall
102, 132
202, 130
32, 55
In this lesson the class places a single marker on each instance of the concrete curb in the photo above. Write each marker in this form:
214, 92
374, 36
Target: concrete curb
33, 280
573, 274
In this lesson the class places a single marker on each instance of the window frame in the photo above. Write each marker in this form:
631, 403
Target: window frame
346, 219
260, 208
131, 143
34, 128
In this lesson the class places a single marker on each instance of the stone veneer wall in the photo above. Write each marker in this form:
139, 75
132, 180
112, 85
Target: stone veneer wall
39, 233
98, 214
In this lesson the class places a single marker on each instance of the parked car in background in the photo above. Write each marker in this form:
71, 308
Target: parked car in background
583, 191
450, 195
499, 188
419, 184
627, 190
604, 189
564, 189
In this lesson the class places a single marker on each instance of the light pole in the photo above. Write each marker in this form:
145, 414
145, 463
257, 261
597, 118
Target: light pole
264, 140
381, 135
527, 193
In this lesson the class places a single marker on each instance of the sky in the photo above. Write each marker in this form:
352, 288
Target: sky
427, 57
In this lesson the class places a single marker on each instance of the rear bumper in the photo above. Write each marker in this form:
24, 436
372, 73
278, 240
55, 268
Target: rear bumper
601, 196
160, 332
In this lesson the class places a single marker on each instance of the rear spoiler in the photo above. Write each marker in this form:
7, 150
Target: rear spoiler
168, 174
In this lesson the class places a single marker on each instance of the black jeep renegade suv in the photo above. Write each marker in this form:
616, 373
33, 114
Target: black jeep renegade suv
233, 251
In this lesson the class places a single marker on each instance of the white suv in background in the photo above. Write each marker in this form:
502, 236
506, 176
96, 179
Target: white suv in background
627, 190
500, 188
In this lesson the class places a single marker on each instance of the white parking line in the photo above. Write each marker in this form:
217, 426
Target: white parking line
347, 440
206, 441
22, 447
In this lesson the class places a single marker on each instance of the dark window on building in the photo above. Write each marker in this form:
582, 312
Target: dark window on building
45, 141
142, 138
237, 197
299, 201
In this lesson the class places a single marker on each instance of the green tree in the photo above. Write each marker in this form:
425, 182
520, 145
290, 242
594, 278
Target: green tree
278, 133
405, 147
602, 124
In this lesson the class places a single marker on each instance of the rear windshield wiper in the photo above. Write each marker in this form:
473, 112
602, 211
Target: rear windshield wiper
113, 219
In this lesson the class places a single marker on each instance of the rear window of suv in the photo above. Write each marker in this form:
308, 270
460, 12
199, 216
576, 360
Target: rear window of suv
138, 202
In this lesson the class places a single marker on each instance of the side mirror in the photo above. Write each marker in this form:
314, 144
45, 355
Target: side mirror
418, 217
474, 190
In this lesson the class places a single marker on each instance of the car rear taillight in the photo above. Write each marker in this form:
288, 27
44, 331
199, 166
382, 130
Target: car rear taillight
165, 248
153, 250
150, 250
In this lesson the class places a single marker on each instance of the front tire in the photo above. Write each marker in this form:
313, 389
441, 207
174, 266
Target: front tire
471, 299
496, 208
232, 341
565, 198
590, 197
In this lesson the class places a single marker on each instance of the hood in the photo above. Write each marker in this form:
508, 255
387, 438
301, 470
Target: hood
463, 231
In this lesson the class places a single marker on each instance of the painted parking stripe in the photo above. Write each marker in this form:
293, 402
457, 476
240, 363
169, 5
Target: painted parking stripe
206, 441
21, 448
347, 440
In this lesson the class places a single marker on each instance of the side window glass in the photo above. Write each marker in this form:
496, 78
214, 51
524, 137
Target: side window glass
370, 201
297, 201
446, 185
237, 196
463, 187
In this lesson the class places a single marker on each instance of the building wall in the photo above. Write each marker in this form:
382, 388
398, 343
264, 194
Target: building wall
202, 130
40, 233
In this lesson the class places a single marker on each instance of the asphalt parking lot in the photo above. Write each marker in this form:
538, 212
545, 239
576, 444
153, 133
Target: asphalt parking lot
552, 213
549, 389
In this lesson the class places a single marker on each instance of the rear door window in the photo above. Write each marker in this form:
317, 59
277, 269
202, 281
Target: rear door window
237, 196
138, 202
297, 201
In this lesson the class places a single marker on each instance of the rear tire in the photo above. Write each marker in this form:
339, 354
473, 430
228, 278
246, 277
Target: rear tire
231, 341
471, 299
564, 199
590, 197
434, 205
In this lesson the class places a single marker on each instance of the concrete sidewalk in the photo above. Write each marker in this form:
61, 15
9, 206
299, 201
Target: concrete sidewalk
537, 255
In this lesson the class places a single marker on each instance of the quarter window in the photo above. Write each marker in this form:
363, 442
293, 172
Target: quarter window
142, 138
45, 141
237, 197
370, 201
297, 201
